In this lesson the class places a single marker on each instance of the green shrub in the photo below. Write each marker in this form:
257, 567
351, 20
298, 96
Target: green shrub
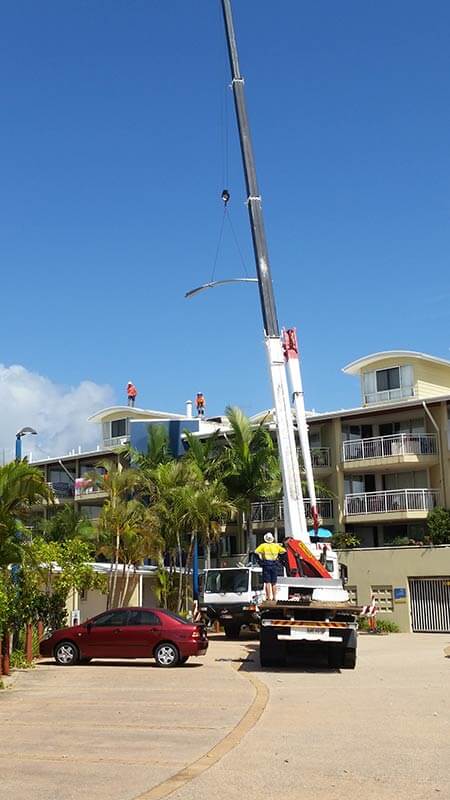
19, 661
383, 625
344, 541
438, 524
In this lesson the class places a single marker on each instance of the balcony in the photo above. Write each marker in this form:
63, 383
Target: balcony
62, 490
401, 504
116, 441
390, 451
274, 511
86, 490
321, 460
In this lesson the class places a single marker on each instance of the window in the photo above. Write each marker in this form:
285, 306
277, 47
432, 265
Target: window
352, 594
118, 428
90, 512
257, 581
111, 619
227, 580
382, 596
142, 617
388, 379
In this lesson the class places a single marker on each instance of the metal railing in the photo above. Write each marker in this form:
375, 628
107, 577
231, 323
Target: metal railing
87, 489
116, 441
61, 489
400, 444
390, 502
274, 511
320, 457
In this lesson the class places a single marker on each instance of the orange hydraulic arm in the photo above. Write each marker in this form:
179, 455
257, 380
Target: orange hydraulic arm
302, 563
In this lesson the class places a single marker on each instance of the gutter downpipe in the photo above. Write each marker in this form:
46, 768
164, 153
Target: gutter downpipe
441, 459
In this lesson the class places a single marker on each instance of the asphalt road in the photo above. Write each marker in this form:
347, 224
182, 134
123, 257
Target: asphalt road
116, 730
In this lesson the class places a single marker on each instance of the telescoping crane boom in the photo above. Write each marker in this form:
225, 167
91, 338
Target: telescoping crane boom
312, 605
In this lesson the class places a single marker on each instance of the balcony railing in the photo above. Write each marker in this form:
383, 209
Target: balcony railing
116, 441
274, 511
400, 444
391, 502
85, 488
320, 457
61, 489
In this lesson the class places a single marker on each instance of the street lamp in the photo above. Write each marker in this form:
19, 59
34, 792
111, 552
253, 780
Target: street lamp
19, 434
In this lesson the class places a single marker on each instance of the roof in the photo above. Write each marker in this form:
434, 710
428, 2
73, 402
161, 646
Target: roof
356, 366
136, 414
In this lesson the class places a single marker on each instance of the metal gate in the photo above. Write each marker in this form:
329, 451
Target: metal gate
430, 604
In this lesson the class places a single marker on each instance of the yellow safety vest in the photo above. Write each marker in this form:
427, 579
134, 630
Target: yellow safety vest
269, 551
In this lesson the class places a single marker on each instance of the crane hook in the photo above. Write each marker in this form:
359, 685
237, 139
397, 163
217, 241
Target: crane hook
225, 196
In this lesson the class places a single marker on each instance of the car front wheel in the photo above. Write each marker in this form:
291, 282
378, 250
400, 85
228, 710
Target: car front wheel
66, 654
167, 655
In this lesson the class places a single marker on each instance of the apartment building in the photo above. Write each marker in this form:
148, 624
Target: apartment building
384, 464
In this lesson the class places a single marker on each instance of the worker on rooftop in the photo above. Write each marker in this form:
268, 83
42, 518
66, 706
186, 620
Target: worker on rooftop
268, 553
131, 393
200, 403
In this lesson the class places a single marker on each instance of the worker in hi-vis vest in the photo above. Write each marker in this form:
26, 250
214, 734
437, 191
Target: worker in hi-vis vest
268, 553
131, 393
200, 403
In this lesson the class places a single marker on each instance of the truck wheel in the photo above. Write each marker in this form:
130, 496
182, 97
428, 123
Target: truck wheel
349, 658
232, 630
335, 656
272, 656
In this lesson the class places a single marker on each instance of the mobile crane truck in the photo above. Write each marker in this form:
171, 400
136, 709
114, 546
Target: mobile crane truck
312, 608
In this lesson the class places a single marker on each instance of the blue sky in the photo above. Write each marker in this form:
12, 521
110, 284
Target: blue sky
113, 116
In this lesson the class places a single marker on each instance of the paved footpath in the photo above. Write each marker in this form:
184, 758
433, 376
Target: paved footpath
116, 730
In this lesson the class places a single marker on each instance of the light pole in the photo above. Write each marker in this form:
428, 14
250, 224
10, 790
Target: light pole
19, 434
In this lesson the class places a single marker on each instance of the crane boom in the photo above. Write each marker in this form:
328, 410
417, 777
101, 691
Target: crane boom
294, 510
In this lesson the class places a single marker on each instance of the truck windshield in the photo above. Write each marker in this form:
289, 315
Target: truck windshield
228, 580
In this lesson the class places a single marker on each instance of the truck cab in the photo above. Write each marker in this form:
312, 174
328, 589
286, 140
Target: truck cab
231, 595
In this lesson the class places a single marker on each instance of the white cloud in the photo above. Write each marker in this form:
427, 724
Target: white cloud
58, 413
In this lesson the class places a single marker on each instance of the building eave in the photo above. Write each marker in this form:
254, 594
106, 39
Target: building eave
355, 367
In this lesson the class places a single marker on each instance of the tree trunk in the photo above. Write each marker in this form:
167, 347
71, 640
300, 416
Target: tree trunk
180, 574
125, 586
187, 570
116, 564
5, 653
208, 551
249, 530
29, 642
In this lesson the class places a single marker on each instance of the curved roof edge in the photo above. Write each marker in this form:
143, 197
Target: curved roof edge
356, 366
134, 413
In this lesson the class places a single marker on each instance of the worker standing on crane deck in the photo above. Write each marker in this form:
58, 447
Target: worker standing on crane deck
131, 393
268, 554
200, 403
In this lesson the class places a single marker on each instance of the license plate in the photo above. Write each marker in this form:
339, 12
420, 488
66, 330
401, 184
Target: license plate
226, 616
299, 633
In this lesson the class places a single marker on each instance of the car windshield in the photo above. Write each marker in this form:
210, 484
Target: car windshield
227, 580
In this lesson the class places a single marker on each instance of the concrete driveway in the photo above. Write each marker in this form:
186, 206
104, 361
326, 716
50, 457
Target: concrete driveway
116, 730
112, 730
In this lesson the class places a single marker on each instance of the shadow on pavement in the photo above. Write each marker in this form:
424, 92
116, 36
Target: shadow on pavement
317, 663
124, 663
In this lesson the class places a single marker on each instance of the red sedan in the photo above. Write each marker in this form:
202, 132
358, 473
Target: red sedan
128, 633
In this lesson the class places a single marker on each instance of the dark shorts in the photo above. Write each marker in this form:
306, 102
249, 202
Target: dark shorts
270, 572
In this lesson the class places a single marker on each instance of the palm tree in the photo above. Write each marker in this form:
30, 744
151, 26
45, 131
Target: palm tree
68, 523
21, 487
138, 539
204, 455
119, 484
204, 509
250, 465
